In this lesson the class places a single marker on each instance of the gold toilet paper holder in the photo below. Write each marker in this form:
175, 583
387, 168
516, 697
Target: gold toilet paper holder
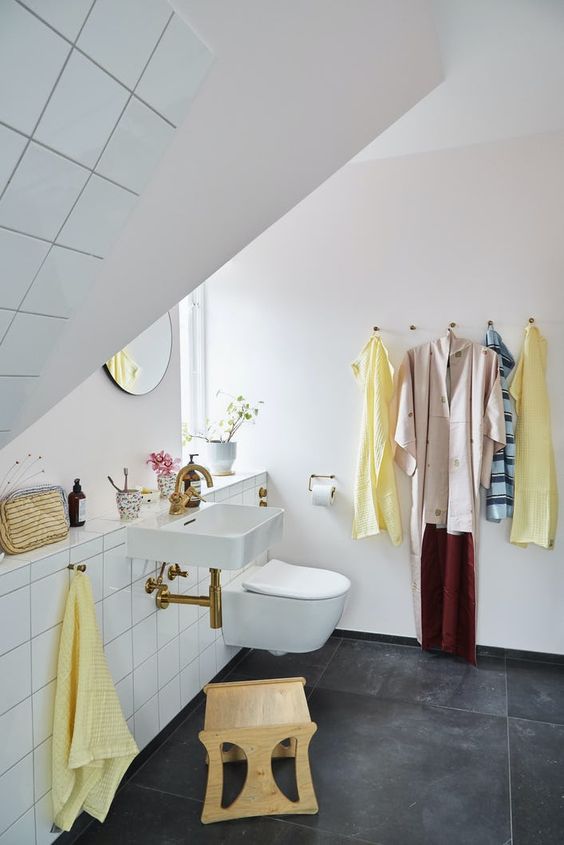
314, 475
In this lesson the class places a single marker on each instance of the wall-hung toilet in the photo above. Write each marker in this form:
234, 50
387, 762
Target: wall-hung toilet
281, 607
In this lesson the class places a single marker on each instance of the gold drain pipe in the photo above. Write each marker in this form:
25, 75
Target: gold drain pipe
164, 597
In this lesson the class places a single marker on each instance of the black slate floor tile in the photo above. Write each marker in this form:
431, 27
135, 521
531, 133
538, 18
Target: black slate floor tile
147, 817
310, 665
178, 766
537, 782
536, 691
391, 772
405, 673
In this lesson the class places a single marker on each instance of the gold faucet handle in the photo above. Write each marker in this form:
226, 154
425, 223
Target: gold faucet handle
192, 493
178, 503
175, 571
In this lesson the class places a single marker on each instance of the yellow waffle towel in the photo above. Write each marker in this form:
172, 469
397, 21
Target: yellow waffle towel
376, 505
536, 494
92, 745
123, 369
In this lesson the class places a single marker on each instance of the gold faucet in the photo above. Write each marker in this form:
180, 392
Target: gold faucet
179, 501
165, 598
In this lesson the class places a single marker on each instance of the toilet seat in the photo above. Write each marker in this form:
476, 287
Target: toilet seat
286, 580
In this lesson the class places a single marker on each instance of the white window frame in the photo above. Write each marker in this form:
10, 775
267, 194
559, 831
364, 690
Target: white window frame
193, 363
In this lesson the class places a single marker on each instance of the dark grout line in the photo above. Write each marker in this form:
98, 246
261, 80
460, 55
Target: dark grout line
318, 682
167, 792
325, 830
514, 718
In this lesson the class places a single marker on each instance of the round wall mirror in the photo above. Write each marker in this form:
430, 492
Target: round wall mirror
141, 365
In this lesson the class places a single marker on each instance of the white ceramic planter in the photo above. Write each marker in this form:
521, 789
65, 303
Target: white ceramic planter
221, 457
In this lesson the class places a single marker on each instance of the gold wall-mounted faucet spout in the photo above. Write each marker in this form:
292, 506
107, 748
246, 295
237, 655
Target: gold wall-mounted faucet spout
165, 598
179, 501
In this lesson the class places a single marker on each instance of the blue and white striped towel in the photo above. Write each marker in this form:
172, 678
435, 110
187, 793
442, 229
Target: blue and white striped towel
499, 499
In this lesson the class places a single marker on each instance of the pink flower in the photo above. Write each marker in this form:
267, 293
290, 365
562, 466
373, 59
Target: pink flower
162, 463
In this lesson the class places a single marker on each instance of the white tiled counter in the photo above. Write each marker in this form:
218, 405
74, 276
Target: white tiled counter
159, 659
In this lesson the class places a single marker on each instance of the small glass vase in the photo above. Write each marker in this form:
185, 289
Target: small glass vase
166, 485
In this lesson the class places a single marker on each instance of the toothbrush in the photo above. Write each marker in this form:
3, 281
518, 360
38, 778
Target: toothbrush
126, 473
114, 485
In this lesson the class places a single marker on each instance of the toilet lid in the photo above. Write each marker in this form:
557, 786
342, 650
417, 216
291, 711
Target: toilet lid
277, 578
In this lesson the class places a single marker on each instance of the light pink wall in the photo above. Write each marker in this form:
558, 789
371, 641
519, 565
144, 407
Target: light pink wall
98, 429
465, 235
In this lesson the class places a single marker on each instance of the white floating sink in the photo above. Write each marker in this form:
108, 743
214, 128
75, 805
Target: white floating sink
214, 535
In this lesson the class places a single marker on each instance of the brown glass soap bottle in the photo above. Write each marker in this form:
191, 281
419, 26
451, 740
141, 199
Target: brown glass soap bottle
77, 505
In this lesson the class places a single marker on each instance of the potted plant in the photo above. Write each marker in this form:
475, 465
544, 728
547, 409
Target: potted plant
222, 449
165, 468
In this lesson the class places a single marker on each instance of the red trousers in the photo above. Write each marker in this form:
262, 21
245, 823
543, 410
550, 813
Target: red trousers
448, 593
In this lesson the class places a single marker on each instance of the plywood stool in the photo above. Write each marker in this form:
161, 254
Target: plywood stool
255, 717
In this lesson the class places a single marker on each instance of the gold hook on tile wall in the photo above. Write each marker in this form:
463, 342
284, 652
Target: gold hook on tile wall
78, 567
531, 319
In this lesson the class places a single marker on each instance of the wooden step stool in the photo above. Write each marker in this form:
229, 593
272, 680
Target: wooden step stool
255, 717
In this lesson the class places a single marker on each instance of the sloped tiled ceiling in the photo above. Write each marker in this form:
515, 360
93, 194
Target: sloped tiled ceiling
90, 97
296, 89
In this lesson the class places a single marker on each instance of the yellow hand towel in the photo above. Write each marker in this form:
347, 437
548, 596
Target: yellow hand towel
92, 745
376, 505
536, 495
123, 369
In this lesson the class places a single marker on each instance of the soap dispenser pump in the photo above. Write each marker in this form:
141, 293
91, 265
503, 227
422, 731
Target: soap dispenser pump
77, 505
193, 480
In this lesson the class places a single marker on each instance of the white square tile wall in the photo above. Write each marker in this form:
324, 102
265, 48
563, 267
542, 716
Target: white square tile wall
12, 145
82, 112
77, 146
31, 58
159, 660
66, 16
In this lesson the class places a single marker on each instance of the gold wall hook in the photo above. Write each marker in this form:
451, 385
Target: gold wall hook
531, 319
412, 327
78, 567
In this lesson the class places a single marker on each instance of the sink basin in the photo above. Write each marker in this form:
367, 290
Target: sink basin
215, 535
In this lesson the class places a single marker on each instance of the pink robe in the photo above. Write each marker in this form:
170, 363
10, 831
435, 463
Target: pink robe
449, 422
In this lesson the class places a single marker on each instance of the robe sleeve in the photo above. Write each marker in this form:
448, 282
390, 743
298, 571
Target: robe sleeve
494, 432
404, 416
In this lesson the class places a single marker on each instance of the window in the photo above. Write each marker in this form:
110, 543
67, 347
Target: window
193, 371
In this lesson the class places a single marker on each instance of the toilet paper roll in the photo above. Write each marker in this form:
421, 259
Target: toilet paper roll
322, 495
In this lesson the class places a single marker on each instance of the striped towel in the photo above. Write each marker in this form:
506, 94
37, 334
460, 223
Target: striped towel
499, 498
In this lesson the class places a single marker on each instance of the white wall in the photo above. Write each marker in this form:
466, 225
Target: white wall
466, 235
98, 429
503, 78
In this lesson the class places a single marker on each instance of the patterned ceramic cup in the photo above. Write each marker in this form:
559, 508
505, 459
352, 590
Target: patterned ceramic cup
166, 485
129, 504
